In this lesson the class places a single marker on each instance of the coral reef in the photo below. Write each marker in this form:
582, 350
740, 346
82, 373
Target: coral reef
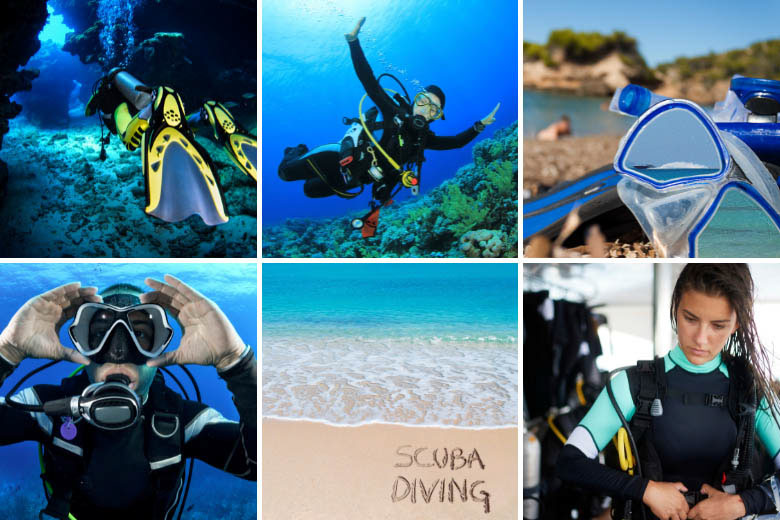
481, 196
482, 243
64, 202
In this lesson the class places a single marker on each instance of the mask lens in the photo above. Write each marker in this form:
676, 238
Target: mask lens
142, 325
99, 326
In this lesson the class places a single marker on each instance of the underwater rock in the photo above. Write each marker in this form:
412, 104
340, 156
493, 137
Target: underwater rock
76, 14
22, 21
3, 180
484, 243
481, 196
203, 48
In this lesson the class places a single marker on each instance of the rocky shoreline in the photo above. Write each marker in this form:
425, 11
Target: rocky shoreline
546, 164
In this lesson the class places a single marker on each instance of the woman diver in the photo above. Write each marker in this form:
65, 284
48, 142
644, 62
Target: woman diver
693, 413
359, 159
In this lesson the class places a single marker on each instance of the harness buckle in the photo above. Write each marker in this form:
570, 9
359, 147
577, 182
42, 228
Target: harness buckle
715, 400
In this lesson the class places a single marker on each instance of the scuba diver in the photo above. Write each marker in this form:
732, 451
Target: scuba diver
115, 438
360, 159
179, 175
693, 413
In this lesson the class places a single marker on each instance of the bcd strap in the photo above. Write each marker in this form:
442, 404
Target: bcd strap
649, 383
63, 466
697, 398
59, 503
164, 441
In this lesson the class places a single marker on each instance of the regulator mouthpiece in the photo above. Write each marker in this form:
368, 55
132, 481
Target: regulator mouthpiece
109, 405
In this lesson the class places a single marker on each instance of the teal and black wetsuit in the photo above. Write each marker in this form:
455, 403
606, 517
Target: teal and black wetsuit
692, 441
399, 139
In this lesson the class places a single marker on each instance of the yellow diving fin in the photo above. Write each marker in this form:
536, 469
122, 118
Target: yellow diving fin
180, 177
240, 144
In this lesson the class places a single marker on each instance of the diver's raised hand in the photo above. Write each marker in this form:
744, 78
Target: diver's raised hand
351, 37
34, 330
208, 337
490, 118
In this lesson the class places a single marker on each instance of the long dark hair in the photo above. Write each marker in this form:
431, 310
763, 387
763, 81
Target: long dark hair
735, 283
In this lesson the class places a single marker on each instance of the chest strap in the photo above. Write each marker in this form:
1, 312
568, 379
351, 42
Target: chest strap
698, 398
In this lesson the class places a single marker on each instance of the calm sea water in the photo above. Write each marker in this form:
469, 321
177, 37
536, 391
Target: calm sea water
309, 82
589, 115
401, 343
232, 286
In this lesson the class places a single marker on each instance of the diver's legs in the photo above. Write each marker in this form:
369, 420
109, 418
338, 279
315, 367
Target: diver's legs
292, 167
316, 189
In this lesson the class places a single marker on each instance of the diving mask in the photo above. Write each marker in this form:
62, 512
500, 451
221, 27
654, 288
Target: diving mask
146, 325
422, 100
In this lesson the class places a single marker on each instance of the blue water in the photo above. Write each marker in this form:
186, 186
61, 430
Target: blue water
232, 286
414, 344
589, 115
467, 48
390, 300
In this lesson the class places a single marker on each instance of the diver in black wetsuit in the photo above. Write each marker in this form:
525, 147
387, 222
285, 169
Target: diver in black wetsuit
335, 169
694, 412
124, 456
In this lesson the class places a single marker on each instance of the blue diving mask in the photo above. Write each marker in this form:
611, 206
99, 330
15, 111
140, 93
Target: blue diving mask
695, 190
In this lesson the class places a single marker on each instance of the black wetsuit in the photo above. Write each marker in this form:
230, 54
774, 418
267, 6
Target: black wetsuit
118, 481
694, 442
396, 122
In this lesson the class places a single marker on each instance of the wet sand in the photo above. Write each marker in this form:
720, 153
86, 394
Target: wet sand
317, 471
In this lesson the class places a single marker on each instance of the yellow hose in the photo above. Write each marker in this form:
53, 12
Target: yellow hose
580, 393
371, 136
555, 430
624, 452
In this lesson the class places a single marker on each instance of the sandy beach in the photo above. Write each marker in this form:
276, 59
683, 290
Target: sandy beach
313, 470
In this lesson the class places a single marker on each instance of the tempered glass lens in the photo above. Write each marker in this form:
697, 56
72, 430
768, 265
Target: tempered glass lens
142, 325
672, 144
99, 325
422, 100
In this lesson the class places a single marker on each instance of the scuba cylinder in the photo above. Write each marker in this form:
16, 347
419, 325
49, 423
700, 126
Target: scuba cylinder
127, 86
532, 468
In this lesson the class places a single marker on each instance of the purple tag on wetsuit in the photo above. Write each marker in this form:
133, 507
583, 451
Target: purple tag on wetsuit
68, 429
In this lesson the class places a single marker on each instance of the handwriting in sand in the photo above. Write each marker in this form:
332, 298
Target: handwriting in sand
448, 459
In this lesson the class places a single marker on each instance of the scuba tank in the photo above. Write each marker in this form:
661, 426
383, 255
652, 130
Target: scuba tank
127, 86
532, 468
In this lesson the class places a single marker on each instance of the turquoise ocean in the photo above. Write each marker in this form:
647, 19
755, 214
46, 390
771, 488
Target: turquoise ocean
417, 344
